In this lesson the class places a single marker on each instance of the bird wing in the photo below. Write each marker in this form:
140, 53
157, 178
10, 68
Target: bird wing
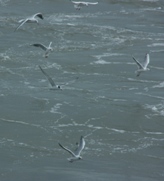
138, 63
22, 22
40, 45
38, 15
81, 145
79, 3
147, 60
47, 76
94, 3
75, 2
67, 150
50, 44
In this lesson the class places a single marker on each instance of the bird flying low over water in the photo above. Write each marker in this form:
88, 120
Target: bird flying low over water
45, 48
142, 67
54, 86
79, 4
77, 152
31, 19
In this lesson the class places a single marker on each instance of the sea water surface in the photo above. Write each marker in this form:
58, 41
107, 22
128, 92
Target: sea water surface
120, 115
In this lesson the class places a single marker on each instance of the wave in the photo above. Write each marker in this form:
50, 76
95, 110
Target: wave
160, 85
156, 45
149, 95
158, 109
140, 80
23, 123
4, 2
55, 108
154, 133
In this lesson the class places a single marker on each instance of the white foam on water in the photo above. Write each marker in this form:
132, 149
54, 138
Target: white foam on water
156, 45
55, 108
160, 85
158, 109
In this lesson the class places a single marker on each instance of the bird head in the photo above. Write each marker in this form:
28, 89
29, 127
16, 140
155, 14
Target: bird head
59, 87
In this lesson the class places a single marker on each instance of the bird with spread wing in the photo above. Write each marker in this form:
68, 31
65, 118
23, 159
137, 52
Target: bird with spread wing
76, 154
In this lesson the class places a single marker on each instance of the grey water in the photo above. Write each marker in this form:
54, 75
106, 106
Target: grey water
120, 115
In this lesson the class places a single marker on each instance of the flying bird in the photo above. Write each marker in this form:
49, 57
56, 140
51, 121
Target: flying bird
76, 154
79, 4
54, 86
32, 19
45, 48
142, 67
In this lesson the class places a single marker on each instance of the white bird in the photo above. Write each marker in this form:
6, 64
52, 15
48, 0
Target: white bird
79, 4
54, 86
77, 152
45, 48
31, 19
142, 67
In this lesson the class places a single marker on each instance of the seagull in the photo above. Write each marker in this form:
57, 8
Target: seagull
31, 19
46, 49
79, 4
77, 152
50, 79
142, 67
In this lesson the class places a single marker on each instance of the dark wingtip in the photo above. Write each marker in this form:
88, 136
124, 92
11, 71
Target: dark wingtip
40, 15
133, 58
59, 144
40, 67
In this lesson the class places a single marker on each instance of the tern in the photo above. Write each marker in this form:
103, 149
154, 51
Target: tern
79, 4
77, 152
54, 86
45, 48
142, 67
31, 19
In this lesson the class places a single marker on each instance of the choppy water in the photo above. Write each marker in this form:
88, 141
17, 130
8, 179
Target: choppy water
120, 115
